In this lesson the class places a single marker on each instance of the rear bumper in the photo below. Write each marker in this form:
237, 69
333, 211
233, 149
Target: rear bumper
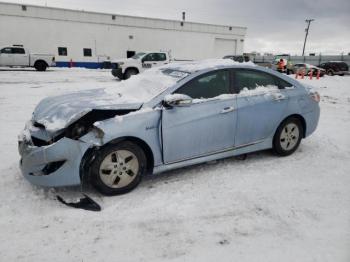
311, 119
55, 165
117, 72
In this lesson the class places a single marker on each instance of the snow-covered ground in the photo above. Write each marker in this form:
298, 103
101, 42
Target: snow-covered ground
265, 208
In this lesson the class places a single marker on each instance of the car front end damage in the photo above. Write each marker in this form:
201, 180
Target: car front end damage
51, 163
55, 159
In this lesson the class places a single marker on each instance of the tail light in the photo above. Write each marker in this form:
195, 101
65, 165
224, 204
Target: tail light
315, 96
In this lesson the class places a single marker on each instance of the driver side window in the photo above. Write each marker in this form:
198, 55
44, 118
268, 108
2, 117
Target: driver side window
207, 86
6, 50
150, 57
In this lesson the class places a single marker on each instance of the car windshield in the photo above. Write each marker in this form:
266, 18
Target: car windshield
143, 87
138, 55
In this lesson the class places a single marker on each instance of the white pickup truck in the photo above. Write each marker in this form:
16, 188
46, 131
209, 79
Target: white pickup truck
125, 68
17, 56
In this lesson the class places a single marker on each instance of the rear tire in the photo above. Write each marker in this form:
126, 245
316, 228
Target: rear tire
40, 66
288, 137
118, 168
130, 72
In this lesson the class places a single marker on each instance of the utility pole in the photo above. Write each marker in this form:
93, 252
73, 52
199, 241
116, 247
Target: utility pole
308, 21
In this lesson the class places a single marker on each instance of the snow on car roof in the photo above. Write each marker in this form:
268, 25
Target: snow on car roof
195, 66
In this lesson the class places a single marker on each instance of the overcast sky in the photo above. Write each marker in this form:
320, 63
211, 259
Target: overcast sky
273, 25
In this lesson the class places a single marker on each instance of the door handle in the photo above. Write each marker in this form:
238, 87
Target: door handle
279, 97
227, 110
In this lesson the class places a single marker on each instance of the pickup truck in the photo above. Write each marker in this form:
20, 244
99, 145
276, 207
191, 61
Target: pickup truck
125, 68
17, 56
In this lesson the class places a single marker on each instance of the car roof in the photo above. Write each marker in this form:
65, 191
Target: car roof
204, 65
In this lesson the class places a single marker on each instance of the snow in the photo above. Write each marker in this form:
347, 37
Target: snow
204, 64
143, 87
265, 208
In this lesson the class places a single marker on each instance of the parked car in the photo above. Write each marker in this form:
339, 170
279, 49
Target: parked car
306, 68
165, 118
335, 68
125, 68
238, 58
18, 56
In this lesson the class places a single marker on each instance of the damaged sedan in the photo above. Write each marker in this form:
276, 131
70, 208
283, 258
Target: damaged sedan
165, 118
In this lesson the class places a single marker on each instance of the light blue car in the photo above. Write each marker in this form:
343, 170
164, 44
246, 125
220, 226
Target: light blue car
165, 118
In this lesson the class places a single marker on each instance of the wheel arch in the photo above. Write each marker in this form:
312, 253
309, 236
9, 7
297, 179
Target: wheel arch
297, 116
90, 153
130, 68
40, 61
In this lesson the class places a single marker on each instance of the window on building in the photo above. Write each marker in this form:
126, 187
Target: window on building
207, 86
130, 53
62, 51
87, 52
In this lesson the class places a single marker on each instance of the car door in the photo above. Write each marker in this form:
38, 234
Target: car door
6, 57
261, 105
20, 58
207, 125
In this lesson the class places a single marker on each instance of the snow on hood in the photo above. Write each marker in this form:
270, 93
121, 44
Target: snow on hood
58, 112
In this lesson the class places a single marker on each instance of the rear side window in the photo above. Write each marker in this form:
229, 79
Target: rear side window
251, 79
282, 84
161, 57
207, 86
62, 51
17, 50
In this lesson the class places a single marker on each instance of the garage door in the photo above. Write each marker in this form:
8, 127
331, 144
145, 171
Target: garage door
224, 47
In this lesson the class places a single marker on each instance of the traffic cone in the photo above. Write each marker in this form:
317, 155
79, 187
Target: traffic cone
318, 74
310, 74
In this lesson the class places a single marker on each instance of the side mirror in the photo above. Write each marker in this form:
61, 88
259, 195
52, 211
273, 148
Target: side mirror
177, 100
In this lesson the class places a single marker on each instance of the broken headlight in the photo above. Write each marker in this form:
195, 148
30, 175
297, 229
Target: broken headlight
76, 131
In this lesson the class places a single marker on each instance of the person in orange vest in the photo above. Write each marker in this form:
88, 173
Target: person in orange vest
281, 66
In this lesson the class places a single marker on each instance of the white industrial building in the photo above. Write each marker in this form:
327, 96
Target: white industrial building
89, 38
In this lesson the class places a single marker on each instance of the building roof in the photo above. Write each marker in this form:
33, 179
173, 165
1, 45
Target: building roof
63, 14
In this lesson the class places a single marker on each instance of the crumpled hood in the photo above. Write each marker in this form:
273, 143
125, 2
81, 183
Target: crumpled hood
58, 112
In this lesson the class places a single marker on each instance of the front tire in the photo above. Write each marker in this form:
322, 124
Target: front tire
130, 72
118, 168
330, 72
288, 137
